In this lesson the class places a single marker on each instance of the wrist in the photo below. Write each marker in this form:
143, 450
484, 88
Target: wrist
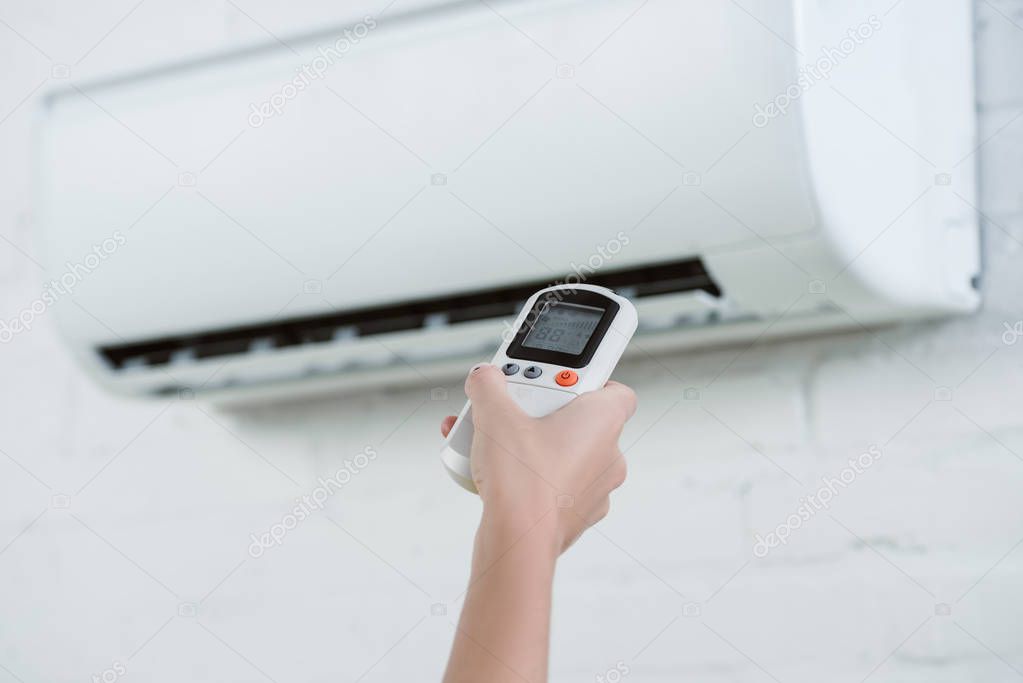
528, 533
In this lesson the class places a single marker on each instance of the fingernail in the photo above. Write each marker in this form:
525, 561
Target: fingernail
476, 369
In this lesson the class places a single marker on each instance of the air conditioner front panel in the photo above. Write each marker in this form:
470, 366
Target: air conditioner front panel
467, 148
514, 172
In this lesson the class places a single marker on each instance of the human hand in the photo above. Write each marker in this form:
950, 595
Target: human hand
553, 474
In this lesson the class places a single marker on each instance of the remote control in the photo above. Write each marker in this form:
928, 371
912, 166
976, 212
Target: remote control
568, 340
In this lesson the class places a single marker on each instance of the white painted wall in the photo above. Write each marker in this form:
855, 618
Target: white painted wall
144, 568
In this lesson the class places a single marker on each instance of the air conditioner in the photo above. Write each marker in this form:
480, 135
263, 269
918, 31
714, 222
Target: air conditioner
369, 204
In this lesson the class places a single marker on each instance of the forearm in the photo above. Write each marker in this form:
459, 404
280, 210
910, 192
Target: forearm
503, 631
542, 481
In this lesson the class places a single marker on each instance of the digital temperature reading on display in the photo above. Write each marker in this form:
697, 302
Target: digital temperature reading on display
564, 328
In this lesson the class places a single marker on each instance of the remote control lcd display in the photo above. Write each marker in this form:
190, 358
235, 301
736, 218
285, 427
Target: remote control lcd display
564, 328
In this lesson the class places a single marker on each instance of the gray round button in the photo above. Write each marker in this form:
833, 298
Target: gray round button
532, 372
510, 368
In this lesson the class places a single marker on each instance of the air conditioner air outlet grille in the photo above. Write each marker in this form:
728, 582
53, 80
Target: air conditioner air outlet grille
672, 277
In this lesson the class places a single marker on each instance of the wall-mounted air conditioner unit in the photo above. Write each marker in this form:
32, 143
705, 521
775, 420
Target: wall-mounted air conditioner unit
369, 204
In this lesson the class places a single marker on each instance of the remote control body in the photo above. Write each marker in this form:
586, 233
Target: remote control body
567, 341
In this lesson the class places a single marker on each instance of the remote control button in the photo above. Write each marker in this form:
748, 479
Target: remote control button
532, 372
566, 378
510, 368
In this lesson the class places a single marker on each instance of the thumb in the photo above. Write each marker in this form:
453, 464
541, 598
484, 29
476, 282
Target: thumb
487, 388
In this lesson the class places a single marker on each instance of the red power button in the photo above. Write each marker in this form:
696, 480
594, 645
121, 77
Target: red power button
566, 378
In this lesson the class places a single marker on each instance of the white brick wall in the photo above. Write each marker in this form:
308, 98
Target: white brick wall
164, 528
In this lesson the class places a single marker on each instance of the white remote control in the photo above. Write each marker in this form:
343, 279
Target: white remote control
568, 341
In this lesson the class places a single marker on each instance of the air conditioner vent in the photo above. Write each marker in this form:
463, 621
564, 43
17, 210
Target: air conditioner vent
649, 280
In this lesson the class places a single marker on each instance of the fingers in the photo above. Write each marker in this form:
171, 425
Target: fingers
622, 396
600, 512
614, 476
488, 390
446, 424
611, 406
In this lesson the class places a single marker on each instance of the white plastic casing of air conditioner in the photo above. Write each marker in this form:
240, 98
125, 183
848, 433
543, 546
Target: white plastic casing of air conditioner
460, 147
